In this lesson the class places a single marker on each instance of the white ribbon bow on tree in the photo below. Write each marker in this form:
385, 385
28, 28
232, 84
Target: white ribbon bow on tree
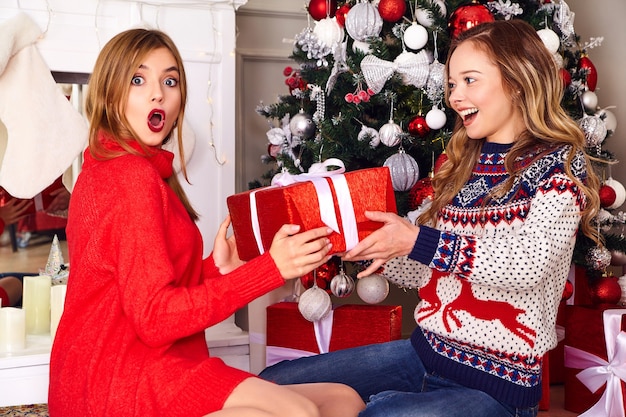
412, 67
597, 371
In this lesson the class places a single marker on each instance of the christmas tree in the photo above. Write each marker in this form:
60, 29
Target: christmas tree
368, 89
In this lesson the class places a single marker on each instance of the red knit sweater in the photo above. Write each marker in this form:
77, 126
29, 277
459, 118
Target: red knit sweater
131, 340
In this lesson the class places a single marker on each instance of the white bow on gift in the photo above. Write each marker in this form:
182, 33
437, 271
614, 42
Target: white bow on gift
318, 173
412, 67
597, 371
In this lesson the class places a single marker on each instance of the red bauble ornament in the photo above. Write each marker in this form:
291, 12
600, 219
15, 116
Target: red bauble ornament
418, 126
468, 16
324, 274
606, 290
592, 74
566, 77
321, 9
422, 190
391, 10
439, 162
607, 196
341, 13
568, 291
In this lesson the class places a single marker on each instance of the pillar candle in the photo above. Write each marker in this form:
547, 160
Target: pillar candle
57, 301
12, 329
36, 303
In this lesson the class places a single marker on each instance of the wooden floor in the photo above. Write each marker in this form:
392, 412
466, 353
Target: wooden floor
34, 257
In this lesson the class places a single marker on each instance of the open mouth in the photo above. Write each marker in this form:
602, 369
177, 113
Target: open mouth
468, 114
156, 120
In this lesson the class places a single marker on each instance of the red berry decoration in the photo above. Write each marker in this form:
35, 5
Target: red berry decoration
321, 9
391, 10
607, 196
422, 190
418, 126
606, 290
341, 13
324, 274
468, 16
592, 74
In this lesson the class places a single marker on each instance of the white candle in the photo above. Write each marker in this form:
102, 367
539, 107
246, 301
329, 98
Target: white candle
12, 329
57, 301
36, 303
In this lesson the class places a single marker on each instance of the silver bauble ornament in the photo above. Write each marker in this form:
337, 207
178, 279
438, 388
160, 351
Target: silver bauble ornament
302, 125
389, 133
598, 257
372, 289
594, 129
342, 285
590, 101
363, 21
404, 170
609, 119
314, 304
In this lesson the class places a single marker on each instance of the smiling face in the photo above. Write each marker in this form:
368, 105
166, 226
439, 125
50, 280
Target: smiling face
476, 93
154, 98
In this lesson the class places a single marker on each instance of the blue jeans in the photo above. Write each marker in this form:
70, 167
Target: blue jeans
391, 378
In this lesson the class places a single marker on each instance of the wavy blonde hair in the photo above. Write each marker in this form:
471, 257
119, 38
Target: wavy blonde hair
107, 96
531, 78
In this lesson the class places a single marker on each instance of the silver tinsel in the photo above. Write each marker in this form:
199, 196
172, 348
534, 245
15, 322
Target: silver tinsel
314, 48
598, 257
435, 85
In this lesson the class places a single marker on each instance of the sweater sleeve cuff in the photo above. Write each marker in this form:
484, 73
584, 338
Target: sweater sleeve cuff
425, 245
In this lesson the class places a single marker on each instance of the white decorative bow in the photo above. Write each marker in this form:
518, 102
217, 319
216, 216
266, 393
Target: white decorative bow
412, 67
597, 371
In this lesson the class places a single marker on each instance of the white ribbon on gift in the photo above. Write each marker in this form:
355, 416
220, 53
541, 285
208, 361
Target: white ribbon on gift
323, 331
412, 67
597, 371
318, 174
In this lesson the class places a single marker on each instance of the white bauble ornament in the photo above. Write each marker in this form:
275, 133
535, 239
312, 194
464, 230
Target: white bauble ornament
415, 36
362, 47
342, 285
328, 31
436, 118
389, 133
594, 129
550, 39
403, 169
590, 101
372, 289
302, 125
424, 17
314, 304
363, 21
620, 192
610, 121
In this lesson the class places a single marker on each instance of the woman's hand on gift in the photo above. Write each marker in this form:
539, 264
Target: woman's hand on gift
225, 253
296, 254
395, 238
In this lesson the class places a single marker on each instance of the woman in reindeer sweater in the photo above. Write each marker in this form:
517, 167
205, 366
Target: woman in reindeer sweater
131, 339
490, 255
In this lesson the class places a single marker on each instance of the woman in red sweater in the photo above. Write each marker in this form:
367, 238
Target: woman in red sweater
131, 339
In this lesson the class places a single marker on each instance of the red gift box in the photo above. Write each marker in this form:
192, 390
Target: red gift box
586, 349
257, 215
289, 335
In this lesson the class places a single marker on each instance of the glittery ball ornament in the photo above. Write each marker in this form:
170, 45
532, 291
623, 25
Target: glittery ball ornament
607, 196
391, 10
314, 304
422, 190
322, 276
404, 170
594, 129
372, 289
363, 21
320, 9
468, 16
598, 257
418, 126
606, 290
341, 14
342, 284
302, 125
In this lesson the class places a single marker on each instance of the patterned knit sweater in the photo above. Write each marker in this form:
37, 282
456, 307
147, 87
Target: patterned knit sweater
131, 339
490, 278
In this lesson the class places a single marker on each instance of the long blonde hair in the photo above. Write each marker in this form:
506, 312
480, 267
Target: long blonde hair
530, 77
107, 96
